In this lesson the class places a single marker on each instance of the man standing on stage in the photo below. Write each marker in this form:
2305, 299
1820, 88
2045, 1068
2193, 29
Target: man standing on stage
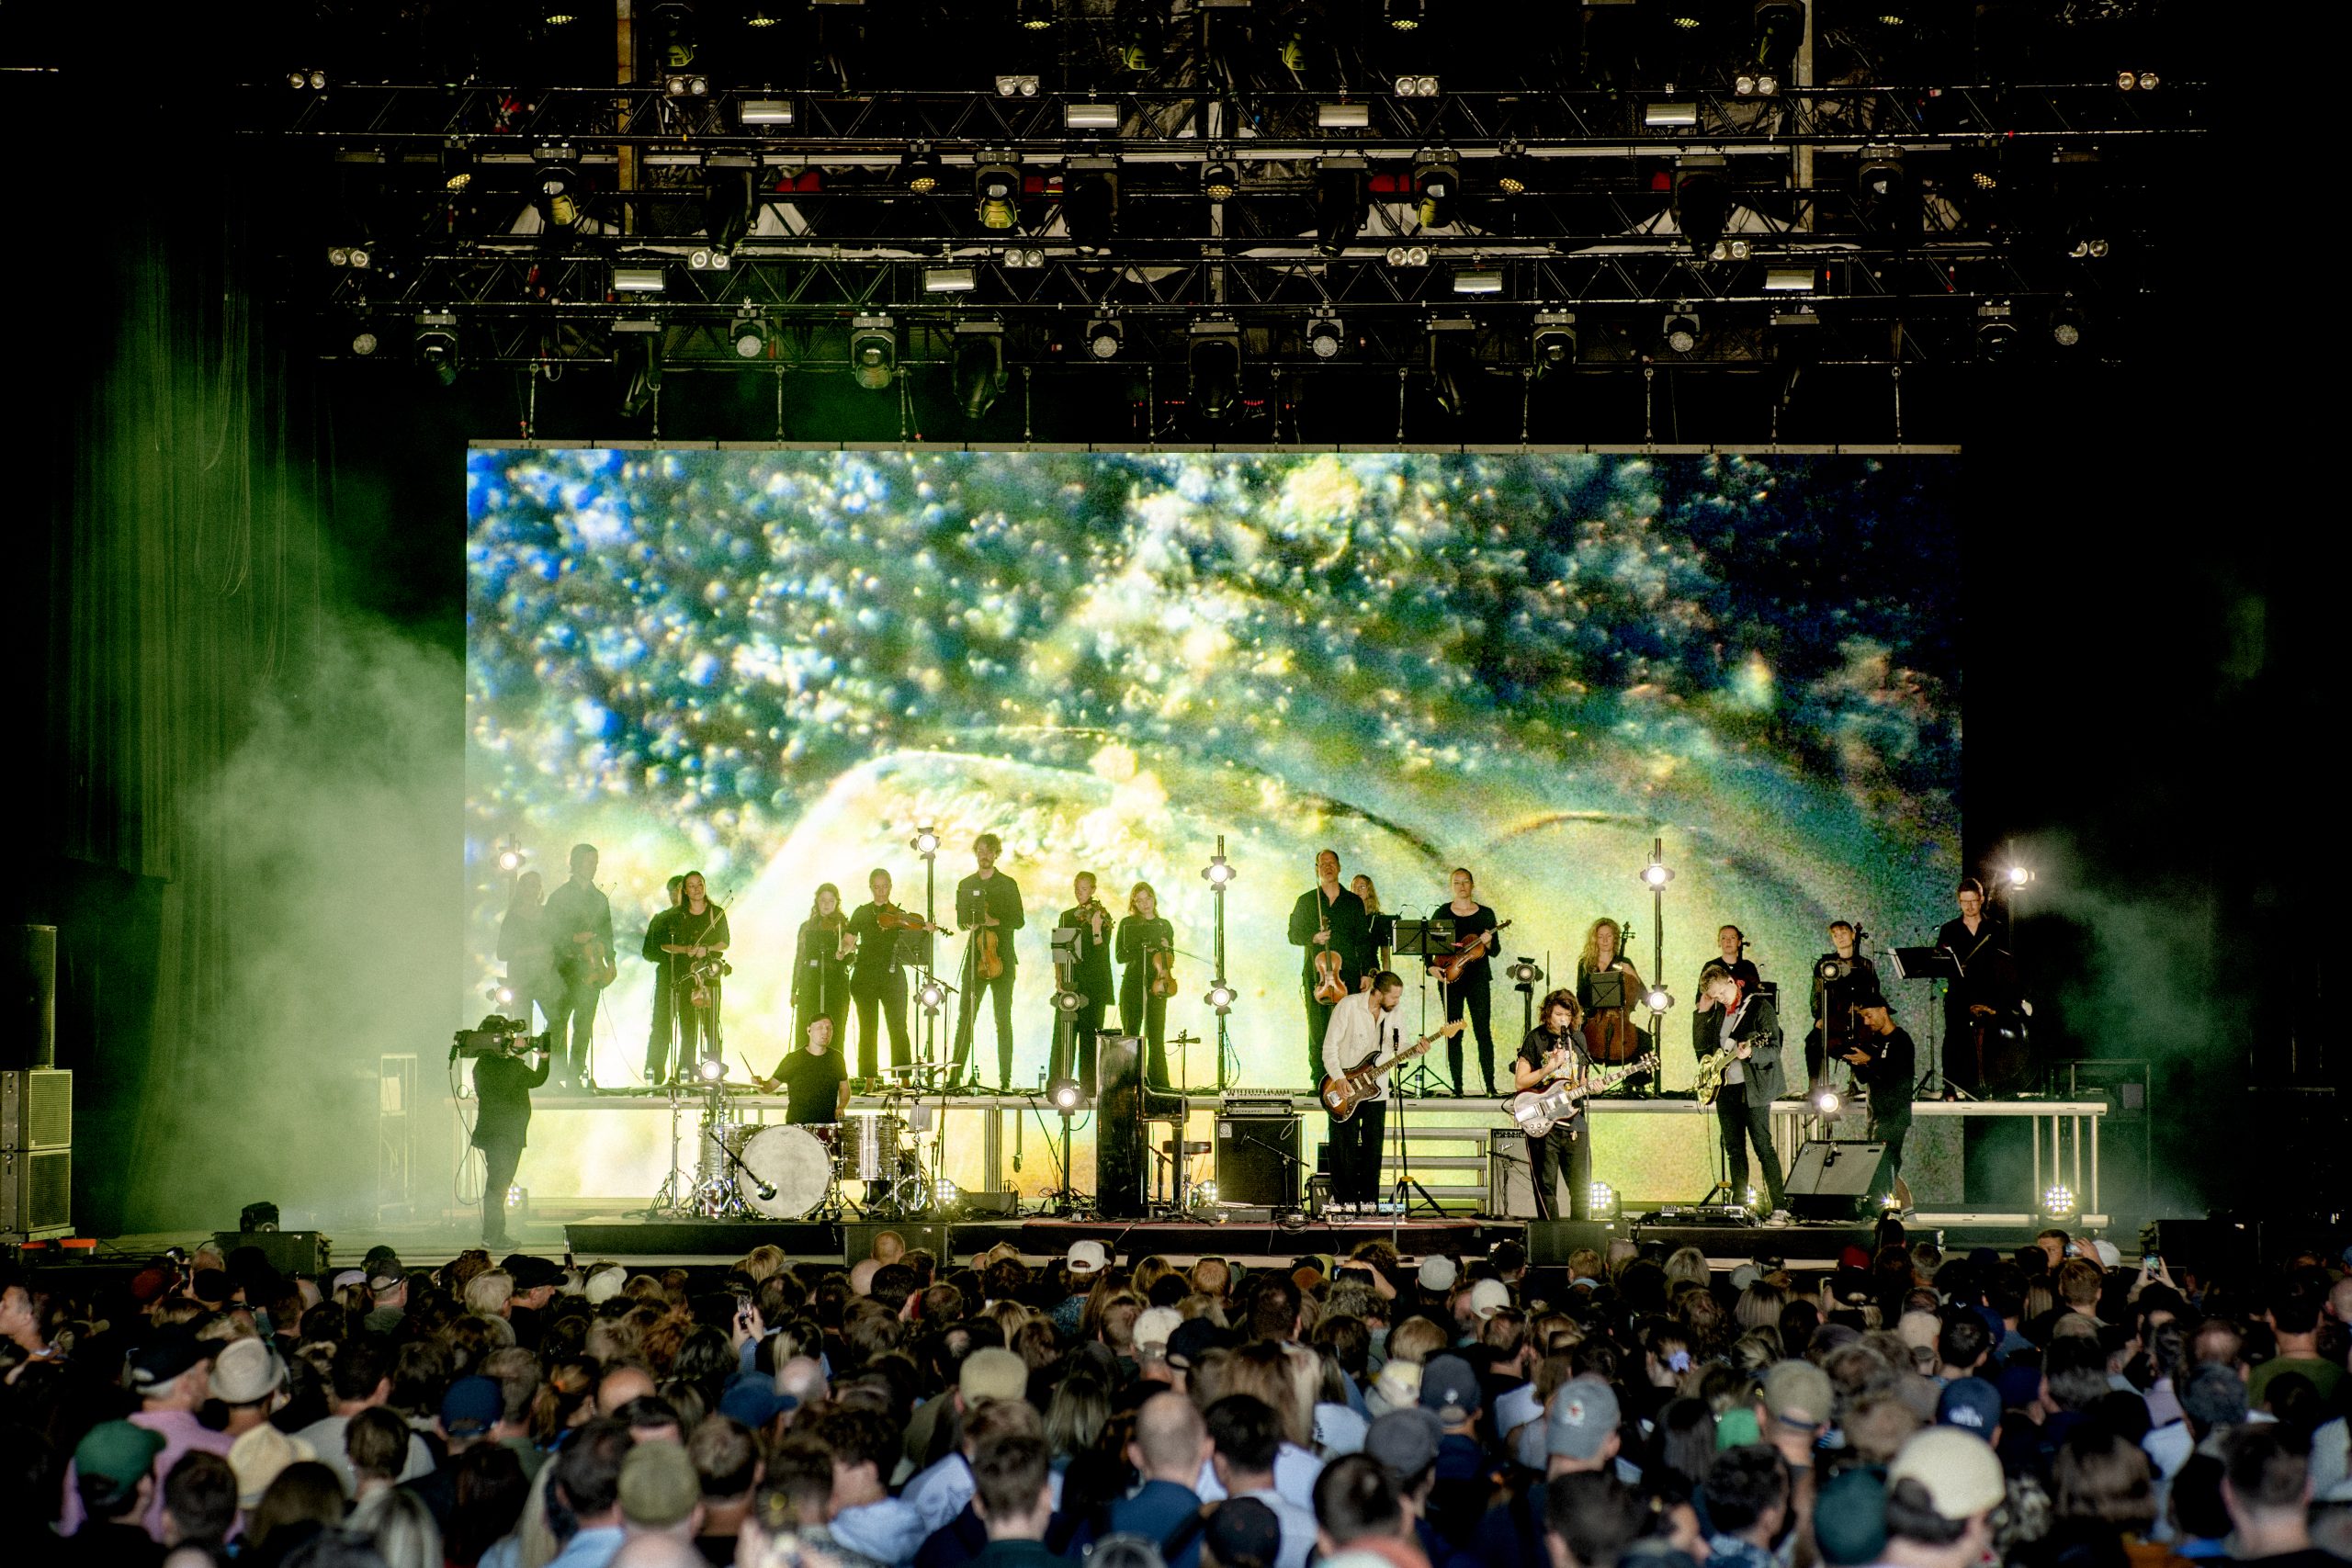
1328, 919
1839, 976
1552, 1054
986, 902
503, 1086
1749, 1034
877, 981
1885, 1063
580, 931
1089, 972
1364, 1027
666, 976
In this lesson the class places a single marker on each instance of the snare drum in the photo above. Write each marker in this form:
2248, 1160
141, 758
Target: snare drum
869, 1148
794, 1162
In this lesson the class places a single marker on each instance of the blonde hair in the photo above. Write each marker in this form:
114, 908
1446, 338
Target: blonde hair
1416, 1339
1371, 894
1590, 957
487, 1293
1138, 889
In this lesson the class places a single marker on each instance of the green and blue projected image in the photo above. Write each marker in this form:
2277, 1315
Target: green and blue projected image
775, 666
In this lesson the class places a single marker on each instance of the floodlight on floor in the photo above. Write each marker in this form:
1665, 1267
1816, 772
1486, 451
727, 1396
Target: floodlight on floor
2058, 1202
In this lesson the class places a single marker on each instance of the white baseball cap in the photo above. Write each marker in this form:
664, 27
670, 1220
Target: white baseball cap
1488, 1297
1087, 1257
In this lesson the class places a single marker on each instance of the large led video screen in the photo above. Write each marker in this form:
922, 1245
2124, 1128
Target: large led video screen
775, 667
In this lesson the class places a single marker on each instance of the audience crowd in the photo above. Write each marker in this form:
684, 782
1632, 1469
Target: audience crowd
2050, 1409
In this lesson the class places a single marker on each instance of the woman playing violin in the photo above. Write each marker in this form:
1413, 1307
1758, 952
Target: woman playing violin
1146, 950
878, 982
821, 965
698, 938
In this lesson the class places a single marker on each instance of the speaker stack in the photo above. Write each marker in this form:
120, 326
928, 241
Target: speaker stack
36, 1099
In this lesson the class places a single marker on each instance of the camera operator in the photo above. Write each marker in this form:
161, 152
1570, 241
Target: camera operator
503, 1086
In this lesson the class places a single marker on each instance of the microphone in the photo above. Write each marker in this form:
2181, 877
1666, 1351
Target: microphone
767, 1192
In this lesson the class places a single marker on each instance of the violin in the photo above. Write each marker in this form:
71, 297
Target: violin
1328, 987
891, 918
1163, 973
1449, 968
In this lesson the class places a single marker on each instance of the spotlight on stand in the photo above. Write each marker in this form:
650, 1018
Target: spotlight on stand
1220, 872
873, 352
2016, 876
1827, 1100
1068, 1001
925, 842
1656, 873
1221, 997
932, 996
501, 997
1064, 1095
510, 856
710, 1069
1526, 972
2058, 1203
1657, 998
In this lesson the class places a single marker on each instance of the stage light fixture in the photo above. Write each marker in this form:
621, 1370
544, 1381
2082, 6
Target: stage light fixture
1340, 201
1879, 176
1104, 338
363, 343
2058, 1202
639, 280
1220, 872
1091, 200
1034, 15
1996, 334
2149, 81
1448, 349
1600, 1200
1064, 1094
931, 996
1657, 998
1404, 16
1220, 179
1656, 874
1553, 346
687, 85
1416, 86
1205, 1196
510, 857
1437, 181
921, 171
752, 338
945, 1194
764, 111
710, 1069
1681, 332
1324, 338
1478, 280
2016, 876
1220, 997
2066, 326
1212, 368
1672, 115
709, 258
1788, 280
1089, 116
1068, 1001
501, 997
1343, 116
436, 344
979, 366
354, 258
1826, 1101
1408, 256
764, 13
948, 280
874, 351
1526, 972
1729, 251
1018, 85
996, 192
1779, 27
925, 842
1702, 202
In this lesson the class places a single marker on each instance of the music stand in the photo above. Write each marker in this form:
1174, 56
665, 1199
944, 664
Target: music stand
1422, 938
1930, 964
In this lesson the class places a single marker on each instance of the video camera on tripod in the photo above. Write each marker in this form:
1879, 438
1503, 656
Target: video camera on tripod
496, 1036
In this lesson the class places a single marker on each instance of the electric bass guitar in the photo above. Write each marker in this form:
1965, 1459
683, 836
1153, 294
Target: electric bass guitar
1343, 1094
1538, 1111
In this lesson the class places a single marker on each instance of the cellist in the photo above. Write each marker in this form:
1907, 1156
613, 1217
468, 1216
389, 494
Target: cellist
1609, 1034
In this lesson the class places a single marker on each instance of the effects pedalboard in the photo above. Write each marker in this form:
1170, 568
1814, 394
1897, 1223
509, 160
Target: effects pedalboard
1698, 1214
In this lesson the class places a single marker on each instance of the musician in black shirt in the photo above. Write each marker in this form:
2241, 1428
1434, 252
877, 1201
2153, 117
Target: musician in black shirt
987, 901
502, 1087
1552, 1053
878, 982
659, 934
1886, 1063
1839, 976
1980, 1002
1327, 918
821, 965
1089, 972
698, 928
580, 935
1142, 1011
1473, 992
814, 1082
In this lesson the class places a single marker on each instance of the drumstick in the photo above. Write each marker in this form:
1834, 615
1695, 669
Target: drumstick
748, 1068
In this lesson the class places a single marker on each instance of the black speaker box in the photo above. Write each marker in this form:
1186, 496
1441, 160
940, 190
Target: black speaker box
29, 998
1832, 1180
289, 1252
857, 1238
1550, 1242
1256, 1161
980, 1205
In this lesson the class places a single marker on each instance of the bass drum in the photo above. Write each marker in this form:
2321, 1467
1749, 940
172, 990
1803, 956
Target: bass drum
791, 1160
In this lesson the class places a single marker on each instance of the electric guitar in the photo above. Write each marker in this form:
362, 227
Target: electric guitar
1343, 1094
1538, 1111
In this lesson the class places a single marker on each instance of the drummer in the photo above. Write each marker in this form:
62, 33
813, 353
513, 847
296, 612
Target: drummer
813, 1079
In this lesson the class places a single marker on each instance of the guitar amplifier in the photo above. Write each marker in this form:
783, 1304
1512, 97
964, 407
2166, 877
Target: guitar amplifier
1832, 1180
1257, 1154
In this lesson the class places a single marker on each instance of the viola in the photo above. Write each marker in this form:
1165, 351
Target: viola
990, 956
1163, 973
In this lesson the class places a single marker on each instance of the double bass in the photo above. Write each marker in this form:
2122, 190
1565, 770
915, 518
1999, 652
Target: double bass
1609, 1037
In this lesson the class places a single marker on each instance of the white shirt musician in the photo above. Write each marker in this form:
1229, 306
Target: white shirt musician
1364, 1027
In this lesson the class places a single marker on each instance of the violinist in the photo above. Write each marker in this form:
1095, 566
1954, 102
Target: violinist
669, 985
699, 941
1608, 1033
1146, 951
821, 964
1089, 970
878, 982
987, 907
1474, 991
1330, 921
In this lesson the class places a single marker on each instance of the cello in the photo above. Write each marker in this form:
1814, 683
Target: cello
1609, 1037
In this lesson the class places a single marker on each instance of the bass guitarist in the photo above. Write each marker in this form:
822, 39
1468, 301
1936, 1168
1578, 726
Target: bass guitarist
1554, 1052
1329, 922
580, 936
1364, 1027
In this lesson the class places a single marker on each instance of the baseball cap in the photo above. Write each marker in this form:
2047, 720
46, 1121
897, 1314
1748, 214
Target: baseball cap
1087, 1257
992, 1373
2110, 1255
246, 1371
167, 1354
1448, 1383
471, 1407
751, 1398
1797, 1394
118, 1451
383, 1269
1488, 1297
604, 1284
1849, 1519
256, 1458
659, 1486
1438, 1272
1970, 1404
1191, 1339
1243, 1533
347, 1277
1582, 1415
1399, 1387
1958, 1469
1404, 1440
1736, 1427
1154, 1326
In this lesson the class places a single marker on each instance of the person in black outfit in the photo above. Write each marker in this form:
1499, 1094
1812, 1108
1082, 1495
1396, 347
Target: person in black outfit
986, 899
580, 934
1978, 937
1839, 976
820, 983
1554, 1053
700, 928
1707, 1019
502, 1087
523, 943
659, 933
1747, 1028
1886, 1063
1142, 1012
1329, 918
878, 982
815, 1083
1089, 972
1474, 992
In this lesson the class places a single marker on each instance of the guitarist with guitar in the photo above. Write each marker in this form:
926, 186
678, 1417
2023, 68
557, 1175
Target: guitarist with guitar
1364, 1041
1553, 1052
1464, 975
1331, 924
580, 935
1741, 1064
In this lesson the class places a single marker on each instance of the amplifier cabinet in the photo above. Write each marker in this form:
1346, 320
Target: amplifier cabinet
1257, 1159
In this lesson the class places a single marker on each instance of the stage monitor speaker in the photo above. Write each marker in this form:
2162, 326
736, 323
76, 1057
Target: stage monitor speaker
37, 1110
35, 1194
857, 1238
28, 1003
1551, 1242
1256, 1161
289, 1252
1832, 1180
990, 1205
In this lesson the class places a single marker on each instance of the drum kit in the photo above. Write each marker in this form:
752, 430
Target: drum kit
749, 1169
